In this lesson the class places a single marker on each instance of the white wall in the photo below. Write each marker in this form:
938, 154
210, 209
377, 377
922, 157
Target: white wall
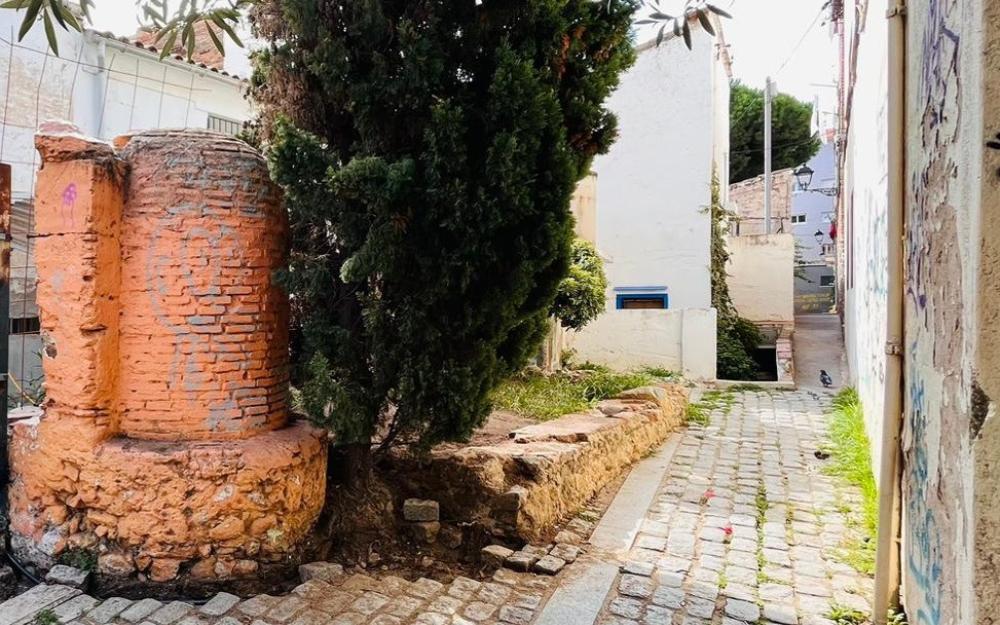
679, 340
866, 197
654, 184
761, 277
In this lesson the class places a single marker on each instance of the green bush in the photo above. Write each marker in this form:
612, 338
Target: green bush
732, 360
580, 298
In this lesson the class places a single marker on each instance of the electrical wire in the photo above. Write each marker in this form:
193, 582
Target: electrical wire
801, 40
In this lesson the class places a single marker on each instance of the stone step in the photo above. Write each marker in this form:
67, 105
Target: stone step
22, 609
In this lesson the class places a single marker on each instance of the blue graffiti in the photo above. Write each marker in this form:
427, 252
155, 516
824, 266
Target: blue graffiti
924, 539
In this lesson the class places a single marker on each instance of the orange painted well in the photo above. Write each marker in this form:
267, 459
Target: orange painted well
165, 443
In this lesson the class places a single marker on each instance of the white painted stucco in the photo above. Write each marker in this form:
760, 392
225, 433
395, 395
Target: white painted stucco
654, 188
679, 340
761, 277
865, 203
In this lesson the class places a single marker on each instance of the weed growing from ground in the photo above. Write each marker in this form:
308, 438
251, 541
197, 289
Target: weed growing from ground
850, 460
548, 397
46, 617
79, 559
842, 615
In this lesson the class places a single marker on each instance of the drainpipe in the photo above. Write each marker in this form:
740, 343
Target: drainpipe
887, 560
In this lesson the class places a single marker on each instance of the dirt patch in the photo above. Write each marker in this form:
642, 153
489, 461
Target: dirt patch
497, 429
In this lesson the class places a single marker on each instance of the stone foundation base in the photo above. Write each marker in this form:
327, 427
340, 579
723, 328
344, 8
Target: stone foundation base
523, 487
211, 509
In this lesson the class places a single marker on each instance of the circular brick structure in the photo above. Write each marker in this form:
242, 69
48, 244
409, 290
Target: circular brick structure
165, 447
203, 339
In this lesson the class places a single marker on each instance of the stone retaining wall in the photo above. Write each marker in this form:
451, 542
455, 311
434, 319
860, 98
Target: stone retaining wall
523, 487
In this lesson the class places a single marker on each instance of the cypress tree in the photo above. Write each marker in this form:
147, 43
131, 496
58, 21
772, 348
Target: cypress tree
428, 150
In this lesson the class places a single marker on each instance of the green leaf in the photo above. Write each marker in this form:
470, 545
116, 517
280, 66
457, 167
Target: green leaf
189, 38
706, 22
29, 18
215, 39
659, 35
54, 5
14, 4
718, 11
50, 33
221, 23
687, 34
169, 45
661, 16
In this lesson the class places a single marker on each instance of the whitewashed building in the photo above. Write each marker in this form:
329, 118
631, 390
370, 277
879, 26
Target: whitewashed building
106, 86
653, 198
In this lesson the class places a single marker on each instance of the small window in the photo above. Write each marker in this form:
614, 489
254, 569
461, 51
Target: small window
642, 301
25, 325
798, 219
226, 126
828, 249
826, 280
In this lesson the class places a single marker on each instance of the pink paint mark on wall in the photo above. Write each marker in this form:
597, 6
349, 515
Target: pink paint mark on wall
68, 204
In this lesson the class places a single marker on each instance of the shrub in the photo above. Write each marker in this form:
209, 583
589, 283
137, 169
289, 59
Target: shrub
580, 298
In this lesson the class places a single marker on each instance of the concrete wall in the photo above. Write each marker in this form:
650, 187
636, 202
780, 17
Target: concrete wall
865, 205
811, 295
679, 340
951, 435
584, 208
761, 277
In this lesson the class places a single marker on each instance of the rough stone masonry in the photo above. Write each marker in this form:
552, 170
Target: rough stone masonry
165, 443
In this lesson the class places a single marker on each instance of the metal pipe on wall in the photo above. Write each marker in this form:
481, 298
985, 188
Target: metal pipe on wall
887, 571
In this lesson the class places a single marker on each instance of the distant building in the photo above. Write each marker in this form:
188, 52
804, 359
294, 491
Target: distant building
106, 86
653, 195
814, 225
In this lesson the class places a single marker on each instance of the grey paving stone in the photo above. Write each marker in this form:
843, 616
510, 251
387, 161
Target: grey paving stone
635, 586
669, 597
67, 576
74, 608
626, 607
108, 610
171, 613
219, 604
781, 613
645, 569
140, 610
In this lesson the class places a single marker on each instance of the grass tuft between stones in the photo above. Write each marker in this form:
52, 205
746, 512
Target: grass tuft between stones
850, 459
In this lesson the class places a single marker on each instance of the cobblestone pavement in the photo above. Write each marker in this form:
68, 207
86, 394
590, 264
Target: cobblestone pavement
745, 526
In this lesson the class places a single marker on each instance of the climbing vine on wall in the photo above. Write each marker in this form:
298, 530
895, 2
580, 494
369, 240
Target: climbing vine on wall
736, 337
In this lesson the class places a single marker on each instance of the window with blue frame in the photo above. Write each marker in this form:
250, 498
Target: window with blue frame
642, 298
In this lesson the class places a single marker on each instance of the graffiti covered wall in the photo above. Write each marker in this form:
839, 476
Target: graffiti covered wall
866, 202
947, 551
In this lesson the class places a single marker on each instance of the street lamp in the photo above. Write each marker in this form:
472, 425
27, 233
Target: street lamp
804, 176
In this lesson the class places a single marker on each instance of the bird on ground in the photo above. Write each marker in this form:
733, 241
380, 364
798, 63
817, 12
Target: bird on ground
825, 378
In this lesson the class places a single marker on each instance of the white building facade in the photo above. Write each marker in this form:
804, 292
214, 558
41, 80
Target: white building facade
653, 194
106, 87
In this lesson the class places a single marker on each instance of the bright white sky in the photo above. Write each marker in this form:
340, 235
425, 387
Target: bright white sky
763, 35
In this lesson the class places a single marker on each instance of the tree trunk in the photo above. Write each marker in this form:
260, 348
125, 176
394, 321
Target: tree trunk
351, 465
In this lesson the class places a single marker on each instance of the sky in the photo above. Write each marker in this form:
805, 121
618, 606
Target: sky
786, 39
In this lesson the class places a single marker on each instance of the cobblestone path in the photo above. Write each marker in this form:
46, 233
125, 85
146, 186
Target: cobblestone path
745, 526
742, 527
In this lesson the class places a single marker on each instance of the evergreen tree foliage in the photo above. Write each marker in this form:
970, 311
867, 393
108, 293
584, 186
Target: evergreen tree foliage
580, 298
792, 138
428, 150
